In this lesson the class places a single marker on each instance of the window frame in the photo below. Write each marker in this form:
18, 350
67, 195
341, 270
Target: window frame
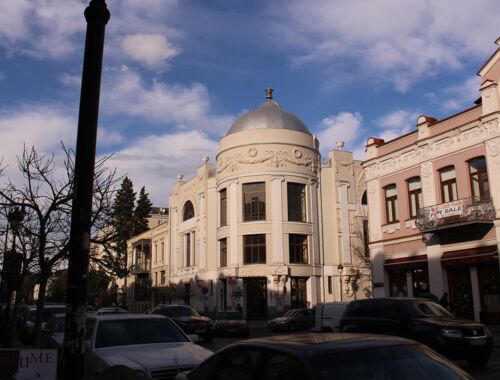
223, 207
417, 193
482, 177
188, 211
298, 202
223, 253
254, 248
448, 185
393, 200
255, 213
294, 248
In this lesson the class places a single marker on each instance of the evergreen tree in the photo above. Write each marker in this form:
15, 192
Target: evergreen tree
122, 218
142, 211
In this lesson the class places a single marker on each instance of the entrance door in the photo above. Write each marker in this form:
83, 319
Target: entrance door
460, 290
256, 297
298, 292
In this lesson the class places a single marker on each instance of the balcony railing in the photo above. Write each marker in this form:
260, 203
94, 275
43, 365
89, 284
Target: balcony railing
456, 213
141, 267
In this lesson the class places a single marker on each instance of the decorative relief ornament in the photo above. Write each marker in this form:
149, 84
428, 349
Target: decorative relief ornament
252, 152
372, 187
426, 168
493, 147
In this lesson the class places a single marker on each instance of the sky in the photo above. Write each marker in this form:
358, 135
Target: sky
178, 73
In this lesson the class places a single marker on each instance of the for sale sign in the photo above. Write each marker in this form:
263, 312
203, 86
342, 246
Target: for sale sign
445, 210
28, 364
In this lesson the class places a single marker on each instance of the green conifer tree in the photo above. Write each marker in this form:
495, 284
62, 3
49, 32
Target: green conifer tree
123, 216
142, 211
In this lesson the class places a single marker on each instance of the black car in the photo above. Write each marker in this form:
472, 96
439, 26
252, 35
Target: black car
326, 356
230, 322
293, 319
422, 320
187, 319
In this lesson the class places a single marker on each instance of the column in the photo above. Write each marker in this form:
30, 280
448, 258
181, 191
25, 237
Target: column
233, 224
433, 250
493, 166
202, 232
378, 275
315, 253
409, 283
345, 255
476, 295
173, 242
192, 250
277, 219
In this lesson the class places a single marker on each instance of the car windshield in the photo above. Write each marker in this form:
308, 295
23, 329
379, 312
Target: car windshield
387, 363
428, 309
125, 332
291, 313
178, 311
229, 315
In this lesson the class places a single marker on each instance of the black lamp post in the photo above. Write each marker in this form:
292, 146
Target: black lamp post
340, 269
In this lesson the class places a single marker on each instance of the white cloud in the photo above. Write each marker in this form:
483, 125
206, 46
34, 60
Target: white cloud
345, 126
125, 93
390, 40
396, 123
151, 50
107, 137
460, 96
155, 161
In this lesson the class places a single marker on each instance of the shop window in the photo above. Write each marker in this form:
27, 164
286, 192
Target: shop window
397, 283
223, 207
254, 201
296, 193
420, 280
479, 183
254, 249
415, 197
448, 184
391, 204
298, 249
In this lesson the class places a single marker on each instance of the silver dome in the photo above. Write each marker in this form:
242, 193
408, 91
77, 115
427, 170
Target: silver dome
268, 115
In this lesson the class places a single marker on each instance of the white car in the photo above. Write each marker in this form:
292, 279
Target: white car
150, 344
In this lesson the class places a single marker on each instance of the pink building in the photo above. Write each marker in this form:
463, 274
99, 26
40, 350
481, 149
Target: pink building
434, 206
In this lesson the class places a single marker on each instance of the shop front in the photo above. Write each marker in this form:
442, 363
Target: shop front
408, 276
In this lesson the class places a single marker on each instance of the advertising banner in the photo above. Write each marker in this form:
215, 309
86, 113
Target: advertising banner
445, 210
28, 364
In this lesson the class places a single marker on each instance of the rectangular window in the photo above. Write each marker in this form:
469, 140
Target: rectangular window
254, 249
162, 251
330, 285
163, 279
480, 187
415, 196
223, 252
254, 201
448, 184
296, 202
298, 249
223, 207
188, 249
156, 253
391, 204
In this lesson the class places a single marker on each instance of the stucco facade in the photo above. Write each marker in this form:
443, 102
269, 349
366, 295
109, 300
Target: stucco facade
434, 201
267, 225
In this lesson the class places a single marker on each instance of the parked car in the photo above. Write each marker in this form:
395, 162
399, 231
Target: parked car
293, 319
422, 320
27, 324
328, 315
188, 319
152, 345
53, 333
326, 356
230, 322
110, 310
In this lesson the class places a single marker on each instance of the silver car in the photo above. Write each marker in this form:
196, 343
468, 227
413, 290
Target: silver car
150, 344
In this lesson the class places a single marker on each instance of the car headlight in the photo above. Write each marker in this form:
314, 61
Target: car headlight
281, 322
452, 333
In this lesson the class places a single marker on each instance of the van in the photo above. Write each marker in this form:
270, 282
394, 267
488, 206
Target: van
328, 315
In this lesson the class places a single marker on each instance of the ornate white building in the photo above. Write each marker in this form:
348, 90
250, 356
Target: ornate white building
269, 227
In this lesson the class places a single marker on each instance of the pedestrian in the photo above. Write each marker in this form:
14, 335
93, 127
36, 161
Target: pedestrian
444, 302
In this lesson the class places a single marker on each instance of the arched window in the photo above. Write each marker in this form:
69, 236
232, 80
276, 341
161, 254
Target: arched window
364, 200
188, 211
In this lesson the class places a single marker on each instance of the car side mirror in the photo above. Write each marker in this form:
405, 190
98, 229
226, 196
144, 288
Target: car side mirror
193, 338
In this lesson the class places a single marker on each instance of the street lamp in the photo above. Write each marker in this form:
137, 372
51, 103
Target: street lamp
340, 269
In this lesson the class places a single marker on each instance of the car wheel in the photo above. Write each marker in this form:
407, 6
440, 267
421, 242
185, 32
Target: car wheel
292, 326
477, 362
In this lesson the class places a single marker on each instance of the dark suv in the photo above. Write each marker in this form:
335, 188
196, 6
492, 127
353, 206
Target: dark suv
421, 320
187, 319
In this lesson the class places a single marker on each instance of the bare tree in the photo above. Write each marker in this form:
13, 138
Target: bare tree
46, 195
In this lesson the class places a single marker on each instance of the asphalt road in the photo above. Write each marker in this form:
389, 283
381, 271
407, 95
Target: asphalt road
490, 372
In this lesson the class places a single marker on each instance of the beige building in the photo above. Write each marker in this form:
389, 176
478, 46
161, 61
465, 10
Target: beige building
434, 201
269, 226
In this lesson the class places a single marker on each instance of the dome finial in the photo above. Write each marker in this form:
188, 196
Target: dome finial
269, 93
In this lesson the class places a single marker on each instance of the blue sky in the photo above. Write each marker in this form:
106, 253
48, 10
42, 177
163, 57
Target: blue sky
177, 73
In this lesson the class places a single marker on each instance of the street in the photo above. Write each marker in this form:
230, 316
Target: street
258, 329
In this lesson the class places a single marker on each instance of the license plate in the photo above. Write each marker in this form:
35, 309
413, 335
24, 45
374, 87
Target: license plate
478, 342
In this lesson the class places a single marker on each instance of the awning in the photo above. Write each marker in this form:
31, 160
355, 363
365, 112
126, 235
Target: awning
470, 256
406, 262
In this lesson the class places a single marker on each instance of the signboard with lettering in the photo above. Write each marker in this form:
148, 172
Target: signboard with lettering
445, 210
29, 363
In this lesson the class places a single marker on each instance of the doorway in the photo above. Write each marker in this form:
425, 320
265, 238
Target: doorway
256, 297
460, 292
298, 292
